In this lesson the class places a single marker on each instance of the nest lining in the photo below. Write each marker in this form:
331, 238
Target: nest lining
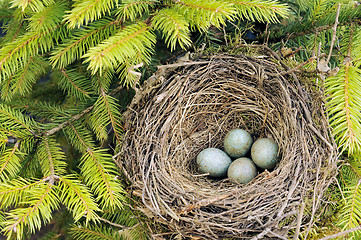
192, 108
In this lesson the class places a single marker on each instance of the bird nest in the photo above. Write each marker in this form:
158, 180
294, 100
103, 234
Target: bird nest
189, 106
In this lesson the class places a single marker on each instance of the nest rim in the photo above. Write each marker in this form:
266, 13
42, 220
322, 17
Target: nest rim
192, 204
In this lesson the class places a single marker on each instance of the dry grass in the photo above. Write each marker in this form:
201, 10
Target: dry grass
183, 110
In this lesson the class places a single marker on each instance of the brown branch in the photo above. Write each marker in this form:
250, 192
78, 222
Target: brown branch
181, 64
321, 29
299, 221
123, 227
301, 65
66, 123
334, 31
342, 233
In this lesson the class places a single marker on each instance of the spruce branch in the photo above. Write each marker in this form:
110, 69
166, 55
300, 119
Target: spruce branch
22, 81
15, 122
30, 44
92, 232
260, 10
319, 29
48, 18
51, 158
174, 27
133, 42
345, 117
73, 48
85, 11
34, 5
203, 14
350, 213
42, 203
66, 123
10, 163
13, 192
99, 172
79, 136
112, 112
75, 84
133, 9
77, 197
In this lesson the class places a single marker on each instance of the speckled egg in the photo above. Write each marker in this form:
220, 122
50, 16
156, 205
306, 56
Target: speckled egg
242, 170
237, 143
213, 161
264, 153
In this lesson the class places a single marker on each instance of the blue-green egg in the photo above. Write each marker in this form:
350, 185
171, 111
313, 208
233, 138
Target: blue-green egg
264, 153
242, 170
213, 161
237, 143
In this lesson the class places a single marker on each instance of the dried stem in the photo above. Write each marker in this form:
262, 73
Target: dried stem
334, 32
191, 106
343, 233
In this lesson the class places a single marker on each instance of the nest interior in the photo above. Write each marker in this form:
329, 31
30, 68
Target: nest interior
187, 107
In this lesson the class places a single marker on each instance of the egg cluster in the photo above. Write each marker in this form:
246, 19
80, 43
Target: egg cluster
237, 144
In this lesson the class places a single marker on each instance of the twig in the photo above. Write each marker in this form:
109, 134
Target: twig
262, 234
334, 31
320, 135
66, 123
321, 29
299, 221
206, 202
341, 233
301, 65
181, 64
225, 35
118, 225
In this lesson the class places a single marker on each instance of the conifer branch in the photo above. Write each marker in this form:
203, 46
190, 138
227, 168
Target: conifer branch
75, 84
41, 206
131, 9
66, 123
127, 44
203, 14
34, 5
174, 27
15, 121
47, 19
28, 45
111, 111
81, 41
80, 140
9, 163
259, 10
75, 196
87, 11
84, 233
99, 173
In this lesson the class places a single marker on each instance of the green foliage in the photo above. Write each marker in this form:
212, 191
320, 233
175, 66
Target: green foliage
85, 11
133, 9
77, 197
99, 172
350, 210
344, 104
23, 79
174, 27
63, 65
261, 11
133, 42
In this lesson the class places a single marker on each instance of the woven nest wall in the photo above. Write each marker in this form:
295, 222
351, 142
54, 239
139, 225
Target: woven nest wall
187, 107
